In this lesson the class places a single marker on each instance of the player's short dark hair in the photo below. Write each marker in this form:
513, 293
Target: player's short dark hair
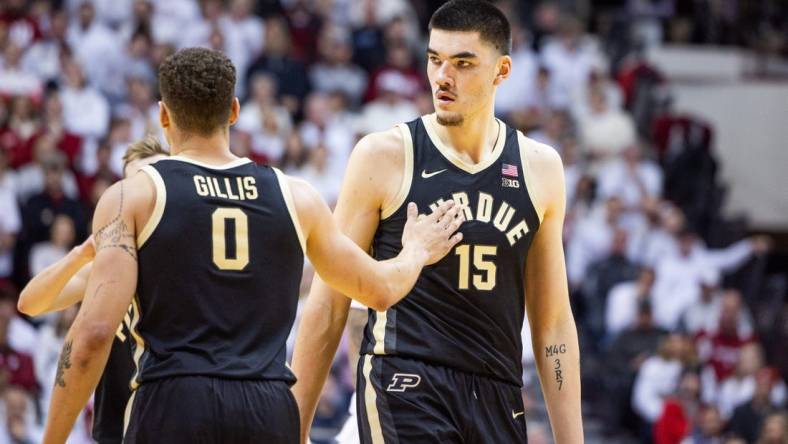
198, 87
475, 16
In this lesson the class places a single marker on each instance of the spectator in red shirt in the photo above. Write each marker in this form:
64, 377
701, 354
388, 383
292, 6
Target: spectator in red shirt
15, 368
53, 127
399, 63
675, 423
23, 29
720, 349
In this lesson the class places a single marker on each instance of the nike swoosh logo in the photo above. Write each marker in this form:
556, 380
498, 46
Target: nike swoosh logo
427, 175
516, 414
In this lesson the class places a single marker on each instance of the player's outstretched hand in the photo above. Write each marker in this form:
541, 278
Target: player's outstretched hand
435, 233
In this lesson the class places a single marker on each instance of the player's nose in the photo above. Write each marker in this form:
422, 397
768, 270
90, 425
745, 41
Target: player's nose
444, 77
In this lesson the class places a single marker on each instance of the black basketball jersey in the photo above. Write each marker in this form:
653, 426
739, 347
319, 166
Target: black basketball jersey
466, 311
113, 390
220, 263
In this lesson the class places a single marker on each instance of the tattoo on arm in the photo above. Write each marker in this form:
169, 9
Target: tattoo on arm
63, 364
116, 234
555, 350
559, 379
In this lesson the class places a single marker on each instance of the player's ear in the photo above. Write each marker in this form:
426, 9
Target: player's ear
504, 69
235, 110
164, 115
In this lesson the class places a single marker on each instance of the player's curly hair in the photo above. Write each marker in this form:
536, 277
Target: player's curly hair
198, 87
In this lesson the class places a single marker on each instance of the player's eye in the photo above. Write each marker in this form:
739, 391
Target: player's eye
463, 64
434, 60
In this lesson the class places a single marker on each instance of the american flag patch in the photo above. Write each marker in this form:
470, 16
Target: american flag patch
509, 170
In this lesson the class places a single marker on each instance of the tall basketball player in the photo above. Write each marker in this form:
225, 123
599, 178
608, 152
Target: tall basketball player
214, 246
64, 283
444, 364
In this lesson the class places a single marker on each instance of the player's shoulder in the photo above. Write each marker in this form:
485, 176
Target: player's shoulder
380, 146
130, 191
544, 173
539, 154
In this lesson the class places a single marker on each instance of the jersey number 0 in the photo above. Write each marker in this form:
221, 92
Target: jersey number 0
219, 222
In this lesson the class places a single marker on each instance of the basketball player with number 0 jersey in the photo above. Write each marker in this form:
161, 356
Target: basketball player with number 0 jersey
444, 363
209, 249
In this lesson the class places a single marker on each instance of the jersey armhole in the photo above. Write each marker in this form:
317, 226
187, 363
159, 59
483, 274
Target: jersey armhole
533, 190
407, 175
291, 208
158, 209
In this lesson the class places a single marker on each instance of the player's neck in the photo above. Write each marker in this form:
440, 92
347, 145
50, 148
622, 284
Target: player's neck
208, 149
475, 138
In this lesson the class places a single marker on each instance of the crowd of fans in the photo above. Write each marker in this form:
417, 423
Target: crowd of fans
667, 301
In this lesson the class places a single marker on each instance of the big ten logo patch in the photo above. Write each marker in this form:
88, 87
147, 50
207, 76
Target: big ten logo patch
510, 183
403, 381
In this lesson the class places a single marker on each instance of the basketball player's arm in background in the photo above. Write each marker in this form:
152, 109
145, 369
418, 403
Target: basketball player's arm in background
554, 335
59, 285
357, 213
110, 288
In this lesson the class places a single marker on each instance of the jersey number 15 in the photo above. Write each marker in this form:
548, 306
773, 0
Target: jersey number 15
485, 279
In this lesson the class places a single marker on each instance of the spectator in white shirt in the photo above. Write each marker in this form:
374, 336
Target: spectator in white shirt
663, 241
570, 58
604, 131
14, 80
31, 178
677, 284
18, 425
43, 58
45, 358
95, 45
267, 123
704, 314
592, 240
198, 33
247, 42
658, 377
335, 71
513, 95
316, 172
623, 301
171, 17
322, 126
134, 62
739, 388
61, 240
554, 126
86, 113
390, 107
141, 108
599, 80
630, 178
10, 219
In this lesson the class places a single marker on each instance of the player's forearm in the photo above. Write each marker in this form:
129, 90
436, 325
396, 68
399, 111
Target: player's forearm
558, 362
79, 368
322, 323
397, 276
376, 284
41, 294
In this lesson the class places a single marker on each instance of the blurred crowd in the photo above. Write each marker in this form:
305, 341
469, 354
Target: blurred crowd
682, 330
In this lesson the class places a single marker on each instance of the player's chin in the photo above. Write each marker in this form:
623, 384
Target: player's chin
448, 118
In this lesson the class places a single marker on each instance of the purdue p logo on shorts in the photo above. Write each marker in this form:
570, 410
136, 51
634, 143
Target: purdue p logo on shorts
403, 381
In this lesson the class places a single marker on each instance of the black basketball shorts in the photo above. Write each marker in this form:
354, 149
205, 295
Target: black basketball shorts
206, 410
404, 401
